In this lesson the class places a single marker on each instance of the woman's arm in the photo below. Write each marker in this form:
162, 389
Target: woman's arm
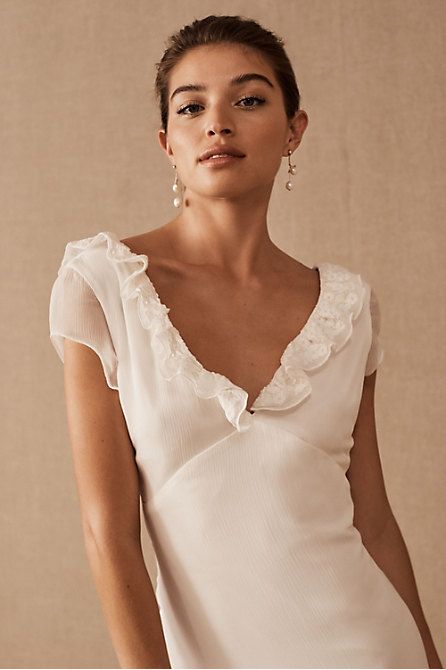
128, 601
374, 519
389, 551
108, 488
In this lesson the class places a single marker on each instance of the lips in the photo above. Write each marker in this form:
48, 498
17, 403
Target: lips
221, 149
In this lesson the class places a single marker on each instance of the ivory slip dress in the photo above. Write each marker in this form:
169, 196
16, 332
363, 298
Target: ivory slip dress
250, 514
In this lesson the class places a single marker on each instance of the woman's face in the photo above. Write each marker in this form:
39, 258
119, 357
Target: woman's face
250, 116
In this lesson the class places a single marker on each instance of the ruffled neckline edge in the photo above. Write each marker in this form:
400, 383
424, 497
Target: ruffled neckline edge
327, 329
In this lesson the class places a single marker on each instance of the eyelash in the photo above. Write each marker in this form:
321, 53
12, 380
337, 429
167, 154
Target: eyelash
248, 97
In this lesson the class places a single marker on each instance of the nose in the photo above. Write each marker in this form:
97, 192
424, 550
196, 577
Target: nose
218, 120
215, 129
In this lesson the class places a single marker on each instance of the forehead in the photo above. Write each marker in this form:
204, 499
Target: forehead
217, 64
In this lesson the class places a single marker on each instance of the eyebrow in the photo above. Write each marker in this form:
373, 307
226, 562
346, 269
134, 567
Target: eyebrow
235, 81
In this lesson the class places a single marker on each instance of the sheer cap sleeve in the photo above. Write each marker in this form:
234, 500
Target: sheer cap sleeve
76, 313
376, 352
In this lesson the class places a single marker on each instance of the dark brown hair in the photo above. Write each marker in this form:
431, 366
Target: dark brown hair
227, 29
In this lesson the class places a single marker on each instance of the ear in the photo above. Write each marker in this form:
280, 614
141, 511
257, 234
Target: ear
164, 144
297, 126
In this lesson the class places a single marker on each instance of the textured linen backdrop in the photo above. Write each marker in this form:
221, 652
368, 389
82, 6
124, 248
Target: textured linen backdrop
80, 155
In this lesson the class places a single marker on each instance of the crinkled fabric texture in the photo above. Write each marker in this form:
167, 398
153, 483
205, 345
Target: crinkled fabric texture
249, 512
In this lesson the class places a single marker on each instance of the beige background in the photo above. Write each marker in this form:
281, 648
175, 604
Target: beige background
79, 154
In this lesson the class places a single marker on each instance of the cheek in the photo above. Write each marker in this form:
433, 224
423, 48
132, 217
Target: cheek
271, 135
183, 138
185, 143
269, 146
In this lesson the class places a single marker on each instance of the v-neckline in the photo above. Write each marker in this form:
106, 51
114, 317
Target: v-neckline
251, 410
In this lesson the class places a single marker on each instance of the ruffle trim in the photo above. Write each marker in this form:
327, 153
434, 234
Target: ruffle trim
327, 330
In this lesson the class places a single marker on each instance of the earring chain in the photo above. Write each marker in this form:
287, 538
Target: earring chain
291, 170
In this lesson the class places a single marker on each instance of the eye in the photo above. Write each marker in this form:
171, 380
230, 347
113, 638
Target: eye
192, 104
196, 104
252, 97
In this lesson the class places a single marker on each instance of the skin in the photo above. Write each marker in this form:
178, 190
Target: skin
215, 263
218, 241
223, 224
223, 221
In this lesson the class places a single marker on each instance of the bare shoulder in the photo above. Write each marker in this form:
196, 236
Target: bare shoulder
295, 272
153, 242
285, 273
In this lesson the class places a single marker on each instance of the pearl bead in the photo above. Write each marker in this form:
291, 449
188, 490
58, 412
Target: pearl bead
289, 185
176, 188
177, 202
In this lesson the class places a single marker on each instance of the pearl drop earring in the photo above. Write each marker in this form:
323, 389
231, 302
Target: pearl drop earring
292, 170
176, 189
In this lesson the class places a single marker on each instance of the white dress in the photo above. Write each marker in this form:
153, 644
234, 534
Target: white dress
250, 514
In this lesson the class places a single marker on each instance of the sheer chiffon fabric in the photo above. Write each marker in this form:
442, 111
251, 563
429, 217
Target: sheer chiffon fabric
249, 512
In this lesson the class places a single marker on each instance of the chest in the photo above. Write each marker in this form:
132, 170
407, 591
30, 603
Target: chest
241, 333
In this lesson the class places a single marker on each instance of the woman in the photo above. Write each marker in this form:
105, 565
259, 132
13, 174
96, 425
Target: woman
226, 383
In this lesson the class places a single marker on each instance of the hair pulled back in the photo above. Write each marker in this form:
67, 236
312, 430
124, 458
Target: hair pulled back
220, 29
